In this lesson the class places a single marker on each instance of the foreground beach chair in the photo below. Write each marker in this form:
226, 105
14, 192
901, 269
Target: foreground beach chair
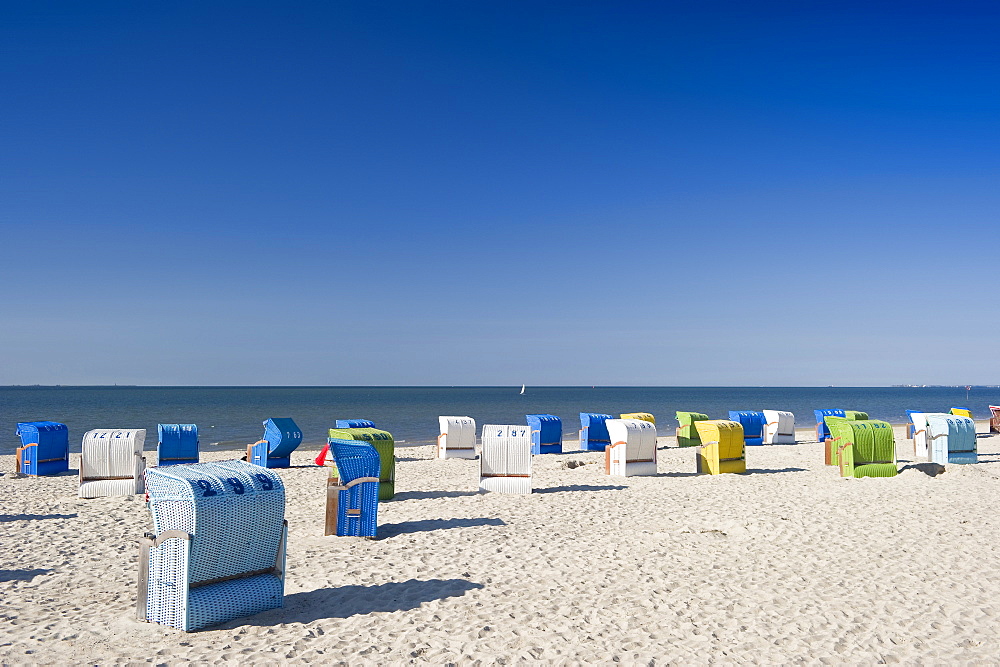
864, 448
44, 448
546, 434
457, 439
633, 447
178, 443
111, 462
995, 419
961, 412
723, 450
779, 427
687, 434
354, 423
352, 498
951, 439
505, 460
384, 444
752, 423
645, 416
822, 431
218, 547
274, 449
594, 432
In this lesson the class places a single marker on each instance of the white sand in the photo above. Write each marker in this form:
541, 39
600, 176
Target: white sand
788, 564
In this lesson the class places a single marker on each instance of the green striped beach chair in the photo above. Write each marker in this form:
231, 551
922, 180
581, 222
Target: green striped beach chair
385, 446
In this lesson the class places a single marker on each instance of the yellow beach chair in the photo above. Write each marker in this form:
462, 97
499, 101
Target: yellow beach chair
723, 450
644, 416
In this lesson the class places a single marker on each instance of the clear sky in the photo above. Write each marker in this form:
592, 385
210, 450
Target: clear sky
550, 193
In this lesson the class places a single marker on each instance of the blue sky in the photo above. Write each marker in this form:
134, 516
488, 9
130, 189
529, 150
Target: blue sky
574, 193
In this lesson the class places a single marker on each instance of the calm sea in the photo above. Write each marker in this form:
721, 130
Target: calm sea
231, 416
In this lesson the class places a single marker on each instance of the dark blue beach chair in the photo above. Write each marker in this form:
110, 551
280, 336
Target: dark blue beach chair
274, 449
178, 443
352, 499
44, 448
594, 432
753, 425
546, 434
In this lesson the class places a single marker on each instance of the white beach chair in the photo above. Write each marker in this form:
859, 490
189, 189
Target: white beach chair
505, 461
111, 462
779, 427
457, 439
633, 447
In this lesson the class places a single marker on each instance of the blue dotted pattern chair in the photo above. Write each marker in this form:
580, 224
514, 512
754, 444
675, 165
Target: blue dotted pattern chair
546, 434
177, 444
218, 547
44, 448
594, 432
352, 500
274, 449
752, 423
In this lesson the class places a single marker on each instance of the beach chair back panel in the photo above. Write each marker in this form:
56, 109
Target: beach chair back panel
178, 443
822, 432
352, 505
687, 434
951, 439
645, 416
779, 427
633, 447
282, 435
232, 563
594, 431
457, 439
355, 423
961, 412
752, 423
44, 448
505, 460
546, 433
384, 444
111, 462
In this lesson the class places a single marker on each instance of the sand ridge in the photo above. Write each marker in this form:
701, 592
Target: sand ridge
788, 563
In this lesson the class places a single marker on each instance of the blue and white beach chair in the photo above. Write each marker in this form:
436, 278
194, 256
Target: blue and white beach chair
546, 434
355, 423
218, 547
752, 423
594, 432
111, 462
44, 448
951, 439
274, 449
352, 500
178, 443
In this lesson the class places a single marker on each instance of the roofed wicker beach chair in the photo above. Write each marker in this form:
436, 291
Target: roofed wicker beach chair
178, 443
352, 498
594, 432
218, 547
384, 444
355, 423
995, 419
822, 432
44, 448
633, 448
752, 423
918, 421
274, 449
644, 416
865, 448
723, 450
687, 434
546, 434
951, 439
111, 462
457, 439
779, 427
505, 459
961, 412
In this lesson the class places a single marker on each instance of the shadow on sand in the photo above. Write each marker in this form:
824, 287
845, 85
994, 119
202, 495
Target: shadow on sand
390, 530
33, 517
21, 575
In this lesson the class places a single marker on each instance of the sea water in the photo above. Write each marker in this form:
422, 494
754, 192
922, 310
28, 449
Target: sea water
231, 417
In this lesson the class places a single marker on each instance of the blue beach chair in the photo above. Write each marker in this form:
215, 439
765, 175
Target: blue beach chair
274, 449
178, 443
355, 423
753, 425
951, 439
352, 500
546, 434
44, 448
218, 547
594, 432
822, 430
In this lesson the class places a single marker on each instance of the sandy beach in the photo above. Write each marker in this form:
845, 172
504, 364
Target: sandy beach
786, 564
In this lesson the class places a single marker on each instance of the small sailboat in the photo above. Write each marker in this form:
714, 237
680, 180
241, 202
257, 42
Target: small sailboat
522, 388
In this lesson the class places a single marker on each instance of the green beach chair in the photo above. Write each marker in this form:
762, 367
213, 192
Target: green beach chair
864, 448
687, 434
385, 446
855, 415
